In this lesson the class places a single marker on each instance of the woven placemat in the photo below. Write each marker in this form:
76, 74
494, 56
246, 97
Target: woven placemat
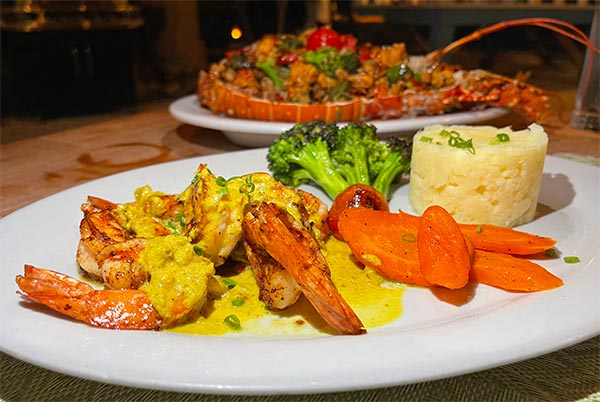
571, 374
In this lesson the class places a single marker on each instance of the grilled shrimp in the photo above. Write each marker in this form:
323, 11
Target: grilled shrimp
215, 208
277, 287
114, 309
98, 228
176, 287
288, 242
107, 251
158, 253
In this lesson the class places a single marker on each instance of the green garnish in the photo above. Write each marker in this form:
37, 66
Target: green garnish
233, 322
238, 301
199, 251
409, 237
274, 72
398, 72
221, 181
180, 218
426, 139
456, 141
572, 259
551, 252
340, 91
501, 137
229, 283
171, 226
479, 229
248, 186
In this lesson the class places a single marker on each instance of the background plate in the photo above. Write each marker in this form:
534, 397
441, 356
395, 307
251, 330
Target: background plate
255, 133
432, 339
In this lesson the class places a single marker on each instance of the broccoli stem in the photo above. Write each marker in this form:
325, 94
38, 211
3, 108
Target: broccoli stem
393, 166
315, 160
359, 171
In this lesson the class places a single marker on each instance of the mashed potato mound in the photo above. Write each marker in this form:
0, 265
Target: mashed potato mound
495, 178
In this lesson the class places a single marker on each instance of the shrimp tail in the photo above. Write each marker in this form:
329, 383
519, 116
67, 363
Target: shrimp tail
291, 245
113, 309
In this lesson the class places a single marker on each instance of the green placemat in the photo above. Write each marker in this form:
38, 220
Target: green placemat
571, 374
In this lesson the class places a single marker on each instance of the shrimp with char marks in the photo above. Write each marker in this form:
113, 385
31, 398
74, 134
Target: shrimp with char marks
157, 255
289, 243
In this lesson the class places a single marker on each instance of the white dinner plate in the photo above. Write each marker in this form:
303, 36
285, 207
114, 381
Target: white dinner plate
256, 133
432, 339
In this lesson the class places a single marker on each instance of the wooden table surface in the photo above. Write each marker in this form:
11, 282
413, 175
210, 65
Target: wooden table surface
35, 168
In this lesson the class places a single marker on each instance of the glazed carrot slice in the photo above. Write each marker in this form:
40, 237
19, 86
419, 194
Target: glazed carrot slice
443, 251
385, 241
500, 239
511, 273
506, 240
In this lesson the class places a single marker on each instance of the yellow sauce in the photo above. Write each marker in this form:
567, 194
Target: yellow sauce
179, 278
139, 217
374, 299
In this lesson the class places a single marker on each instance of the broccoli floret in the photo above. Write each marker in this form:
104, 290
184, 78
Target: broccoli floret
326, 59
350, 62
392, 163
335, 158
356, 144
302, 155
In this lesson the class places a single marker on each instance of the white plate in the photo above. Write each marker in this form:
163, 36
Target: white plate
431, 340
255, 133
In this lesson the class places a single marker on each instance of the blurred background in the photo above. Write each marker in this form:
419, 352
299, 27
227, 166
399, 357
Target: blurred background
67, 63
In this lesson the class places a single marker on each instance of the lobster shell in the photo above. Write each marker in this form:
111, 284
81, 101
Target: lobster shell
221, 97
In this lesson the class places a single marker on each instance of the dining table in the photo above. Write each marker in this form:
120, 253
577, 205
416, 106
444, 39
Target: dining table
34, 168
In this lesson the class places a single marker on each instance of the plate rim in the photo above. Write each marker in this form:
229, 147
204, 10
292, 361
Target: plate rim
339, 346
181, 108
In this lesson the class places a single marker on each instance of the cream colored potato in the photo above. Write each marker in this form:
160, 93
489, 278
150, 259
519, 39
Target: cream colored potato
497, 184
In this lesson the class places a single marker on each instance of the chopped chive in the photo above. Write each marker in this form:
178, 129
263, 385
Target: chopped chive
551, 252
199, 251
238, 301
456, 141
180, 218
248, 186
233, 322
572, 259
409, 237
500, 137
221, 181
479, 229
426, 139
229, 283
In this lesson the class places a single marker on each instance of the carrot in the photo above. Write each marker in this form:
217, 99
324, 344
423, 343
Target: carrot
511, 273
385, 241
506, 240
443, 251
501, 239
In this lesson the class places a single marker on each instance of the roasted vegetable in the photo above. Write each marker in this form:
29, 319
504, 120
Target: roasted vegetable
302, 155
336, 157
394, 244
